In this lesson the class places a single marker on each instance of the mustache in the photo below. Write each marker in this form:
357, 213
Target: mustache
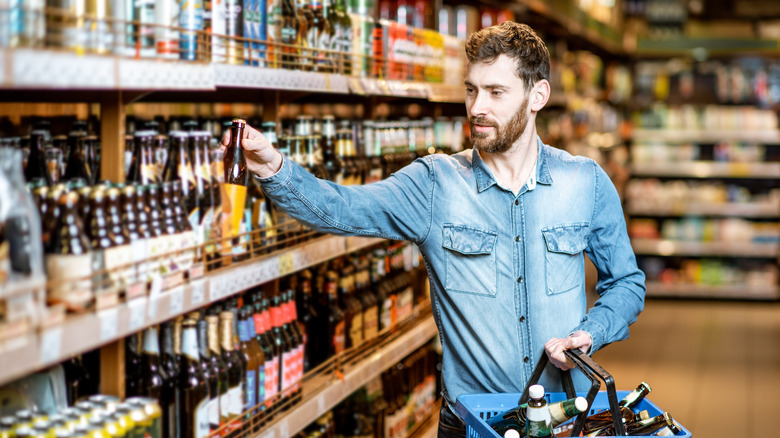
484, 121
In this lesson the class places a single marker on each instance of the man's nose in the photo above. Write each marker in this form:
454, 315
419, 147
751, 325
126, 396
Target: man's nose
480, 105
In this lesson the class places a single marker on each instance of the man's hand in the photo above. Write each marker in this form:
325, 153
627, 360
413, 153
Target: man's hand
261, 157
555, 347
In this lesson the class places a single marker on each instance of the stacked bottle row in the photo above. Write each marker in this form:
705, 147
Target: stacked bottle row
739, 273
388, 406
97, 416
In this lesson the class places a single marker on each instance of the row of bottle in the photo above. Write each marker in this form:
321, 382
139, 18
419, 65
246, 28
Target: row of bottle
537, 418
648, 193
745, 273
696, 229
389, 405
99, 416
660, 151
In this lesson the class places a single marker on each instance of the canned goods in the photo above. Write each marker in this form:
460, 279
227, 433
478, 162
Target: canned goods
24, 417
106, 402
191, 20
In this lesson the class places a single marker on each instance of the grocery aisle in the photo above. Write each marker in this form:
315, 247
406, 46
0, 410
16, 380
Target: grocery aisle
715, 366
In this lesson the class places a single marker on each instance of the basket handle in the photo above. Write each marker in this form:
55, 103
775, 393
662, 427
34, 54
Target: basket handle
591, 369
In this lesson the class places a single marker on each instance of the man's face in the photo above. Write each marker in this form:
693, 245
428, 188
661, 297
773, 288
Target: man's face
496, 104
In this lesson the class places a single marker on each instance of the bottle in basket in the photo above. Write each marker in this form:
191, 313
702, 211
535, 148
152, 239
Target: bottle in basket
538, 420
515, 419
603, 419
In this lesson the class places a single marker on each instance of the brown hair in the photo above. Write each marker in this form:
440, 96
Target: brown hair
519, 42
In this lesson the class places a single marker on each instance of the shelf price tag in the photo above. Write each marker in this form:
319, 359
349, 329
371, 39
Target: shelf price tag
51, 345
176, 301
286, 264
154, 296
284, 429
198, 292
108, 324
137, 308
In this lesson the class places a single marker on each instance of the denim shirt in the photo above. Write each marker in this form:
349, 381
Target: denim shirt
506, 270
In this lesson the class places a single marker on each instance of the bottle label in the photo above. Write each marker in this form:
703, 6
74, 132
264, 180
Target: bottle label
202, 426
214, 413
258, 323
338, 338
72, 284
233, 206
538, 422
224, 406
370, 327
270, 380
356, 330
287, 369
386, 318
250, 395
236, 400
261, 384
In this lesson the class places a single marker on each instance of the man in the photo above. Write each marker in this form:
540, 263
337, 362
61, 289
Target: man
502, 229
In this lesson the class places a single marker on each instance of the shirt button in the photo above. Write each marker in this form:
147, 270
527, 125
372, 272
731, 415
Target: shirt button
517, 238
520, 279
522, 319
526, 359
517, 202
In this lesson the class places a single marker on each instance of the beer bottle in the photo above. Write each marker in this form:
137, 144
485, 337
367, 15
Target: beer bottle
211, 221
626, 405
308, 318
353, 310
186, 248
191, 394
169, 357
218, 370
171, 233
268, 345
158, 243
236, 179
153, 381
254, 372
198, 202
283, 344
118, 257
77, 165
538, 420
640, 426
330, 161
336, 330
515, 418
68, 258
210, 374
140, 165
133, 365
368, 300
36, 161
230, 412
293, 334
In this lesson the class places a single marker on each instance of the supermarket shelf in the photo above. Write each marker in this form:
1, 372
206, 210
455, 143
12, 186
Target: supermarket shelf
242, 76
26, 69
740, 291
50, 69
727, 249
32, 351
765, 136
354, 376
707, 169
729, 209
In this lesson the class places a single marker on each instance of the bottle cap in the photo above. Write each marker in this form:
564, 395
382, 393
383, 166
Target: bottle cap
511, 433
536, 391
581, 404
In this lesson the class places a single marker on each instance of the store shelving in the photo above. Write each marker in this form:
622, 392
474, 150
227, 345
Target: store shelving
661, 247
707, 169
756, 210
688, 290
768, 136
79, 333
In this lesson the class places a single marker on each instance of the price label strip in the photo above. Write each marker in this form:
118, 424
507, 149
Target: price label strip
109, 324
198, 296
286, 264
137, 309
51, 345
176, 305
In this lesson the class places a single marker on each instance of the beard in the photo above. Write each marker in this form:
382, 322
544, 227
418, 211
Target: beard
506, 136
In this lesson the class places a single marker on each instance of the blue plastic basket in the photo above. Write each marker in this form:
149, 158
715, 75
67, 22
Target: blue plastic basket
474, 409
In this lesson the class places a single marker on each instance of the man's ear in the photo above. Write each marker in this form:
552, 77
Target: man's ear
540, 94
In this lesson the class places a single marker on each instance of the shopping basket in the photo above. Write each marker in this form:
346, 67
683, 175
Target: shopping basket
474, 409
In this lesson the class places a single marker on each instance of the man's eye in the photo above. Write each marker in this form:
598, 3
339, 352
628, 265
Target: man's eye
497, 92
469, 90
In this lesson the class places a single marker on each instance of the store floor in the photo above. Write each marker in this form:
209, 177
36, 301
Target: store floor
714, 366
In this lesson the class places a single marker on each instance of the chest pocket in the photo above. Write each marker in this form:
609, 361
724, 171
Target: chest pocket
471, 260
564, 261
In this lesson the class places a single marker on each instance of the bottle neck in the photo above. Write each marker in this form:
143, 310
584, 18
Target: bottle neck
189, 343
226, 338
151, 344
213, 334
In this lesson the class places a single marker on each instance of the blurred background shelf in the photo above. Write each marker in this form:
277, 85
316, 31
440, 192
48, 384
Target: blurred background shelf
707, 169
741, 292
733, 209
727, 249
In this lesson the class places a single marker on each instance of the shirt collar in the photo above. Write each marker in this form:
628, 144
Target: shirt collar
485, 178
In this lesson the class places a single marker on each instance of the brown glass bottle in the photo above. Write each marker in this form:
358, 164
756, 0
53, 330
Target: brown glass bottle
626, 405
367, 298
230, 413
140, 169
307, 319
218, 369
287, 298
169, 357
68, 258
36, 161
201, 215
153, 381
186, 248
133, 365
77, 164
353, 309
331, 162
191, 394
214, 194
335, 324
236, 177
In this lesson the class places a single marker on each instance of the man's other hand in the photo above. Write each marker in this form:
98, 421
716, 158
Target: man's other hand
555, 347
